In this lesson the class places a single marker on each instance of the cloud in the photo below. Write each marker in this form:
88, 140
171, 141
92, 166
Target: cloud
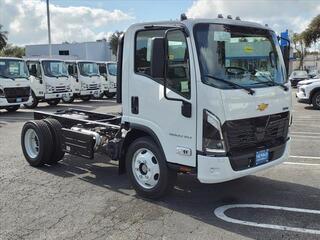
26, 22
278, 14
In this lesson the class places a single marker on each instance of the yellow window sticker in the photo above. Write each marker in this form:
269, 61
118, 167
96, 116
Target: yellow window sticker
184, 86
248, 49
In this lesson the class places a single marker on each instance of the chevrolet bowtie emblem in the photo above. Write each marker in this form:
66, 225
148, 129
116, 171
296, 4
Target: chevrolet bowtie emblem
263, 106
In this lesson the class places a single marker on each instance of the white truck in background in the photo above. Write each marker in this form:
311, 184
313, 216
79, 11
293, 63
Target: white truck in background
49, 81
108, 70
85, 80
203, 96
14, 83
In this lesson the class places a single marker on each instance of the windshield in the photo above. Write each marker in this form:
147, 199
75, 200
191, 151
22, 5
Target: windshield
112, 69
11, 68
297, 74
246, 56
88, 69
54, 68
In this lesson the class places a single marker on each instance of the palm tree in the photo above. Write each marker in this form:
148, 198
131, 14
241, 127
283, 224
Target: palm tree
3, 38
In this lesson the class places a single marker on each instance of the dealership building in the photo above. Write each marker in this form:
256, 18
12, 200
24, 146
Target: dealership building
94, 51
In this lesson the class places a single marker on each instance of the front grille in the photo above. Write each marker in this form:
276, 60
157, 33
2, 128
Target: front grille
93, 86
253, 133
17, 92
59, 89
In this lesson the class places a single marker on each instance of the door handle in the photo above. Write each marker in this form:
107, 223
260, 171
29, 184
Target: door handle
134, 105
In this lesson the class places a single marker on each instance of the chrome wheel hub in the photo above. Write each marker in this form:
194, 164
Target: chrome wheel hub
145, 168
31, 142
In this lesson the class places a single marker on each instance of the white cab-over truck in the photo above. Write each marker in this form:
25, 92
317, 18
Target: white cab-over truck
14, 83
108, 70
85, 80
49, 81
193, 101
309, 92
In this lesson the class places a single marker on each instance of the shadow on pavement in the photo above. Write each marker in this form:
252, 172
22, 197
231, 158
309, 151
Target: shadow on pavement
198, 201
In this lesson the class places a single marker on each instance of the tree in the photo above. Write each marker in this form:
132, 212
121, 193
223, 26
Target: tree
113, 41
300, 48
3, 38
312, 33
12, 51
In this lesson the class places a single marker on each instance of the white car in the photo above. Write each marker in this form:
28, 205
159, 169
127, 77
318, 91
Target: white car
309, 92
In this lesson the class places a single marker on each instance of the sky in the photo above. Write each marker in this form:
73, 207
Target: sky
89, 20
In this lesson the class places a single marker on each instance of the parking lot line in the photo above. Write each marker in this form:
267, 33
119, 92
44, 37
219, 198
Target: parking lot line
304, 157
220, 213
303, 164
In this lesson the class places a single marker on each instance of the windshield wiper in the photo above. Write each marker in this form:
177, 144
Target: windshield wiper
269, 80
5, 76
249, 90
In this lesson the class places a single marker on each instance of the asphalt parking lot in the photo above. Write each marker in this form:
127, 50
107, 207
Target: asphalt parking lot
83, 199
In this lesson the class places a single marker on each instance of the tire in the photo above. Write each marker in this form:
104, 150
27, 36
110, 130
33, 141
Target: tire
109, 95
53, 102
316, 100
85, 98
55, 129
68, 100
39, 153
34, 102
13, 108
151, 185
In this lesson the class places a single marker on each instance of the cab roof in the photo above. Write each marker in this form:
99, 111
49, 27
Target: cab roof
190, 22
12, 58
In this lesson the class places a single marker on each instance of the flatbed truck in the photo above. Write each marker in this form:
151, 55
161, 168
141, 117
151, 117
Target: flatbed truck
208, 97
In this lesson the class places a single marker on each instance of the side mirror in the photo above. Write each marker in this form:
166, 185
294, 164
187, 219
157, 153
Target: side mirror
157, 58
286, 57
33, 70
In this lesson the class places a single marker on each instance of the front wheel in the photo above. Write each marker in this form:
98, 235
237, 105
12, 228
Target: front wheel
53, 102
147, 169
67, 99
13, 108
316, 100
33, 102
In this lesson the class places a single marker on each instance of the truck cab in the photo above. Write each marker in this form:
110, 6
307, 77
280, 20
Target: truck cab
89, 78
208, 97
108, 71
14, 83
49, 81
74, 81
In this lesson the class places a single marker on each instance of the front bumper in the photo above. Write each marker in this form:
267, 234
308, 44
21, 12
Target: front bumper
219, 169
90, 92
57, 95
4, 101
302, 98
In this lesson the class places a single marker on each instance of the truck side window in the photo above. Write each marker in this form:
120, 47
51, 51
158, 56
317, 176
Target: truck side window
34, 69
143, 50
178, 71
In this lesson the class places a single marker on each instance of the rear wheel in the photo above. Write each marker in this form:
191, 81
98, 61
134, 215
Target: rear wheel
36, 142
109, 95
55, 129
147, 169
53, 102
33, 103
13, 108
85, 98
67, 99
316, 100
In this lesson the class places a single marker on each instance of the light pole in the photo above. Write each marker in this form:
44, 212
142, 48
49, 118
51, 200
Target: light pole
49, 30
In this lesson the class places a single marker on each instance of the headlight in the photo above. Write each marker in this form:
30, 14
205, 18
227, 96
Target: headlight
212, 140
84, 85
49, 88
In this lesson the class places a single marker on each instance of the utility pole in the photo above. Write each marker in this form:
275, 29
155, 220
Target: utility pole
49, 30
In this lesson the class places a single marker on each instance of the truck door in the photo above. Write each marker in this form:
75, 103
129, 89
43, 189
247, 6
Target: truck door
147, 104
